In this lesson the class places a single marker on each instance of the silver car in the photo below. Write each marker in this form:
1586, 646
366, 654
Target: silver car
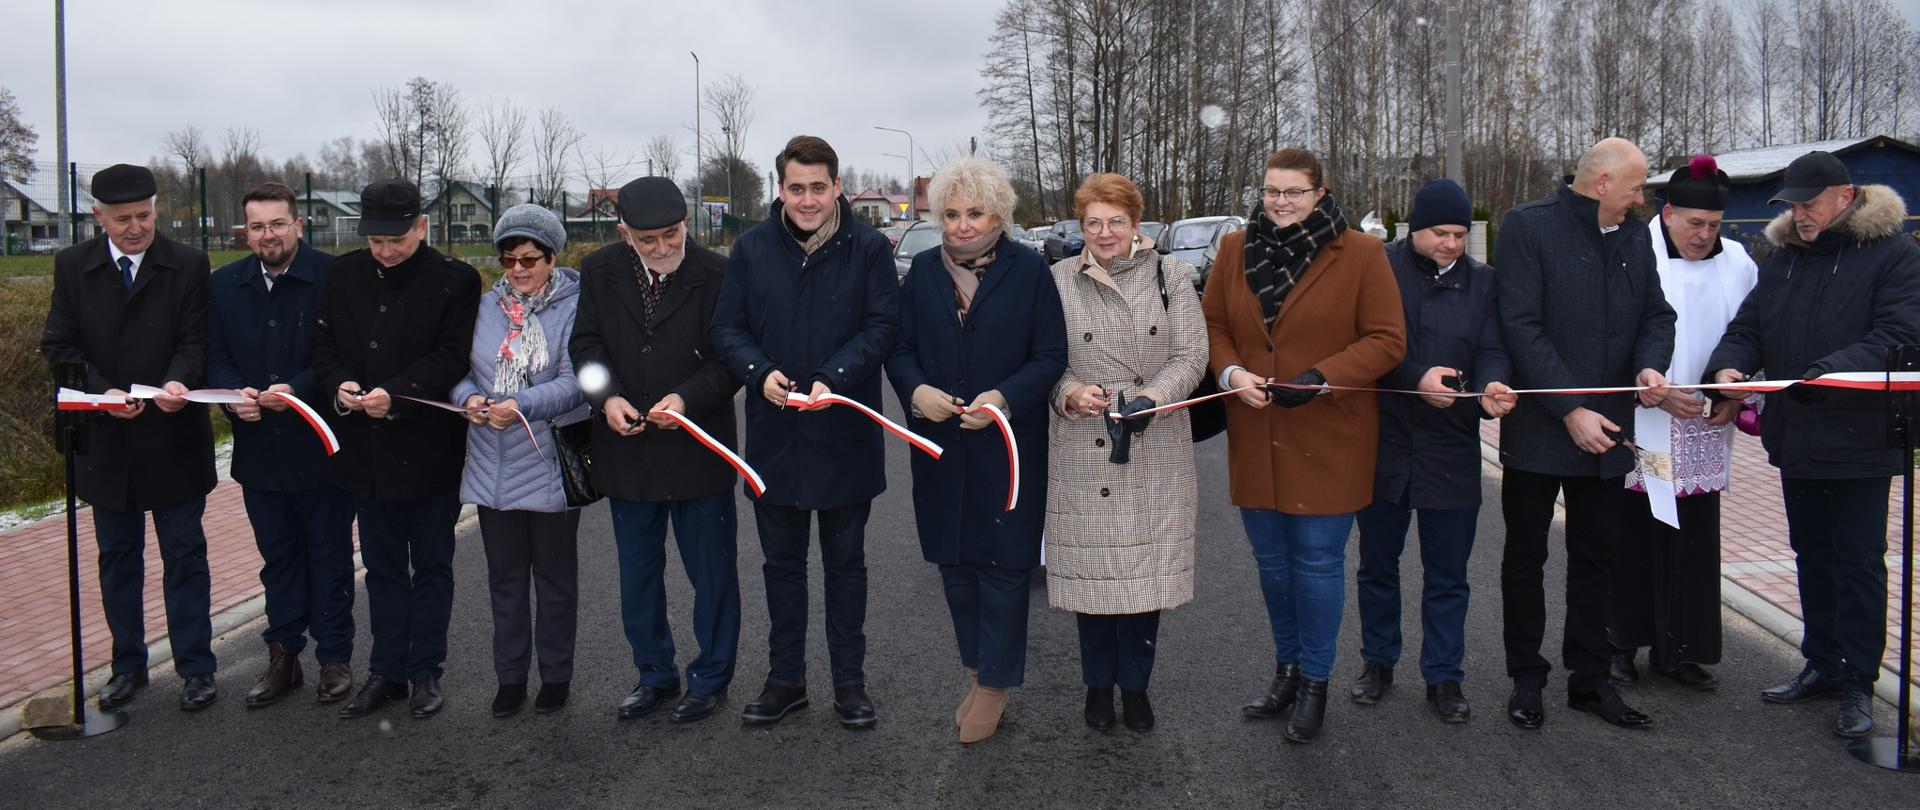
918, 237
1197, 241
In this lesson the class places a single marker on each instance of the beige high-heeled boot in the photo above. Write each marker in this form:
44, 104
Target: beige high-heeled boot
973, 687
983, 718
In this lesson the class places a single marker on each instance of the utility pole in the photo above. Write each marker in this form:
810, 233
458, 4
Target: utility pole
699, 182
67, 202
728, 133
1456, 166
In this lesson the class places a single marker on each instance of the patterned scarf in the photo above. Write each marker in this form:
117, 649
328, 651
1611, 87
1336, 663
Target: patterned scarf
524, 350
651, 292
1277, 258
968, 267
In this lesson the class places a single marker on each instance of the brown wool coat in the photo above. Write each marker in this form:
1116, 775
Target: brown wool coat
1343, 318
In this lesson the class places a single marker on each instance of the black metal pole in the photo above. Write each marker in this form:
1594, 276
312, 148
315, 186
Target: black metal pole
73, 193
1902, 408
73, 583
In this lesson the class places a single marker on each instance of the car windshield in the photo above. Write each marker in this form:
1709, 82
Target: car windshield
1068, 226
1157, 231
918, 239
1192, 235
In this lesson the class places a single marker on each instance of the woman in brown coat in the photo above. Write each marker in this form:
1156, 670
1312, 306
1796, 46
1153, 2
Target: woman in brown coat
1300, 300
1120, 487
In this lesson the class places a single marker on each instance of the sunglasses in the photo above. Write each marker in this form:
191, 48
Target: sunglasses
525, 262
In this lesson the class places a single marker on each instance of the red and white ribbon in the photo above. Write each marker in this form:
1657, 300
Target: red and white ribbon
204, 396
999, 418
67, 399
925, 444
312, 417
754, 481
452, 408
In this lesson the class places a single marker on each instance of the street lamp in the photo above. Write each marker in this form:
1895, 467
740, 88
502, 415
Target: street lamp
909, 154
727, 132
699, 187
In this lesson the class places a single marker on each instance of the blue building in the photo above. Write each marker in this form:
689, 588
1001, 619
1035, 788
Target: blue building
1756, 177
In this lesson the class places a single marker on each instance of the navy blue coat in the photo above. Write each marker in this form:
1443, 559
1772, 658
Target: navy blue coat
1430, 457
257, 338
830, 316
1014, 341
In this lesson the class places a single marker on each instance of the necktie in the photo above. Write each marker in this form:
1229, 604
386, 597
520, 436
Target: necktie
126, 274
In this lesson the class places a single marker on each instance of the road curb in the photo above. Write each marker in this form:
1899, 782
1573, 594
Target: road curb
160, 653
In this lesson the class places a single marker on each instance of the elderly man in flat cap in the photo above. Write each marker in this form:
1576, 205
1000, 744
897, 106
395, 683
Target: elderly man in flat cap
1666, 570
640, 347
1841, 287
132, 307
396, 320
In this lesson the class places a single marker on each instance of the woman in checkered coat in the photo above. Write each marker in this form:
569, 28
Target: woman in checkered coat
1120, 486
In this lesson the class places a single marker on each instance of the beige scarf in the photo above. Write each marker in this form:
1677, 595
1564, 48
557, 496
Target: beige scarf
826, 231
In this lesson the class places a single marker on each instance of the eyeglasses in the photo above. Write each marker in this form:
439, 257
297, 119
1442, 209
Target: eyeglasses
277, 226
1293, 195
1105, 226
525, 262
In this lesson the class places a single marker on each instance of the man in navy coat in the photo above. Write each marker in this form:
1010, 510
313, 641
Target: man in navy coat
807, 307
258, 311
132, 306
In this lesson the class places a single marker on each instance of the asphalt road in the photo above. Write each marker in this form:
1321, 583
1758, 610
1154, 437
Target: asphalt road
1725, 749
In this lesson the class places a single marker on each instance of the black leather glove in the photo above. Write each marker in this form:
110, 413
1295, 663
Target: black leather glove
1130, 414
1296, 397
1809, 394
1119, 432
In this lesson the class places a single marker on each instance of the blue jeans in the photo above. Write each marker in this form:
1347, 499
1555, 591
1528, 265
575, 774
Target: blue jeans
705, 529
1446, 540
1302, 561
989, 607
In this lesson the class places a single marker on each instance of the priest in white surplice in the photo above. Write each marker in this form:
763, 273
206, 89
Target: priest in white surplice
1666, 572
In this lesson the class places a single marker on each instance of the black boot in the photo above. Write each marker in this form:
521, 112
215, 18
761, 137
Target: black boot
1135, 710
1374, 681
1100, 707
1280, 694
1621, 671
508, 699
1309, 712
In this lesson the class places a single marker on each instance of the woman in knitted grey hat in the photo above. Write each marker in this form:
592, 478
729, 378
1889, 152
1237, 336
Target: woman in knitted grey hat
520, 368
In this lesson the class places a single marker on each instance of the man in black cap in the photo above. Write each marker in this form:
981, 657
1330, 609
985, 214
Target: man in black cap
640, 340
1666, 564
396, 319
1841, 288
132, 306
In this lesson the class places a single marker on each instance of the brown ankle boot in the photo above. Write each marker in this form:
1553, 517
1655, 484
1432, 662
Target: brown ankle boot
282, 675
973, 687
983, 717
336, 682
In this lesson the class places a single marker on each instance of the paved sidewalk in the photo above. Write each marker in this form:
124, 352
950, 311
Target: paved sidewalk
1754, 554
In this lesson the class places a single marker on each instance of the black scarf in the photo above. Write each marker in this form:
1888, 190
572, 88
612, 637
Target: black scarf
1277, 258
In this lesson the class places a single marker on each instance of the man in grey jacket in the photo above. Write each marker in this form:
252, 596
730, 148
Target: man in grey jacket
1582, 308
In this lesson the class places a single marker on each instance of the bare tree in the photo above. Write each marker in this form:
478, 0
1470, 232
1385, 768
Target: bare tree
554, 141
603, 167
423, 129
188, 145
730, 101
16, 139
450, 136
663, 156
503, 139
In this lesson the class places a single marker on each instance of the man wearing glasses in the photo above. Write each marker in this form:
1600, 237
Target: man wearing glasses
258, 312
396, 320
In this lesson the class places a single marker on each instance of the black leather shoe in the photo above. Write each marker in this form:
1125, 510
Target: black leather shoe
1280, 694
1808, 685
1856, 714
1448, 704
375, 693
774, 702
1621, 671
1100, 707
645, 700
1692, 676
121, 688
1374, 681
695, 707
508, 699
852, 708
198, 693
1524, 707
1607, 704
1309, 714
552, 697
1136, 711
426, 697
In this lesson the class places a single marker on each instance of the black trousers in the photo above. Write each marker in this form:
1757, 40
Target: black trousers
539, 547
1117, 649
306, 550
186, 585
989, 607
843, 556
1838, 530
408, 550
1666, 583
1593, 518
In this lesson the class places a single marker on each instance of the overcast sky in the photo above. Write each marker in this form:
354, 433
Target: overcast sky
304, 72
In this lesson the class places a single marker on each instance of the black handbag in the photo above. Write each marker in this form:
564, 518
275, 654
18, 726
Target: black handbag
574, 446
1208, 419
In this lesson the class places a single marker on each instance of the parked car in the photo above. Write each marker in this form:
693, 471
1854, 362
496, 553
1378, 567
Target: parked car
1156, 231
893, 233
918, 237
1197, 240
1037, 236
1064, 240
1016, 233
44, 246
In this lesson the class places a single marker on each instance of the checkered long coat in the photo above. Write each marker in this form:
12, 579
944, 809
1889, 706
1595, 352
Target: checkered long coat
1120, 537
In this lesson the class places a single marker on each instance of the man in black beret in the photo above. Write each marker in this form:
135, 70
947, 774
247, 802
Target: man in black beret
396, 319
132, 306
640, 341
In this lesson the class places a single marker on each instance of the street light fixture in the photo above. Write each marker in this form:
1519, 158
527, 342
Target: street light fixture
699, 187
909, 135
